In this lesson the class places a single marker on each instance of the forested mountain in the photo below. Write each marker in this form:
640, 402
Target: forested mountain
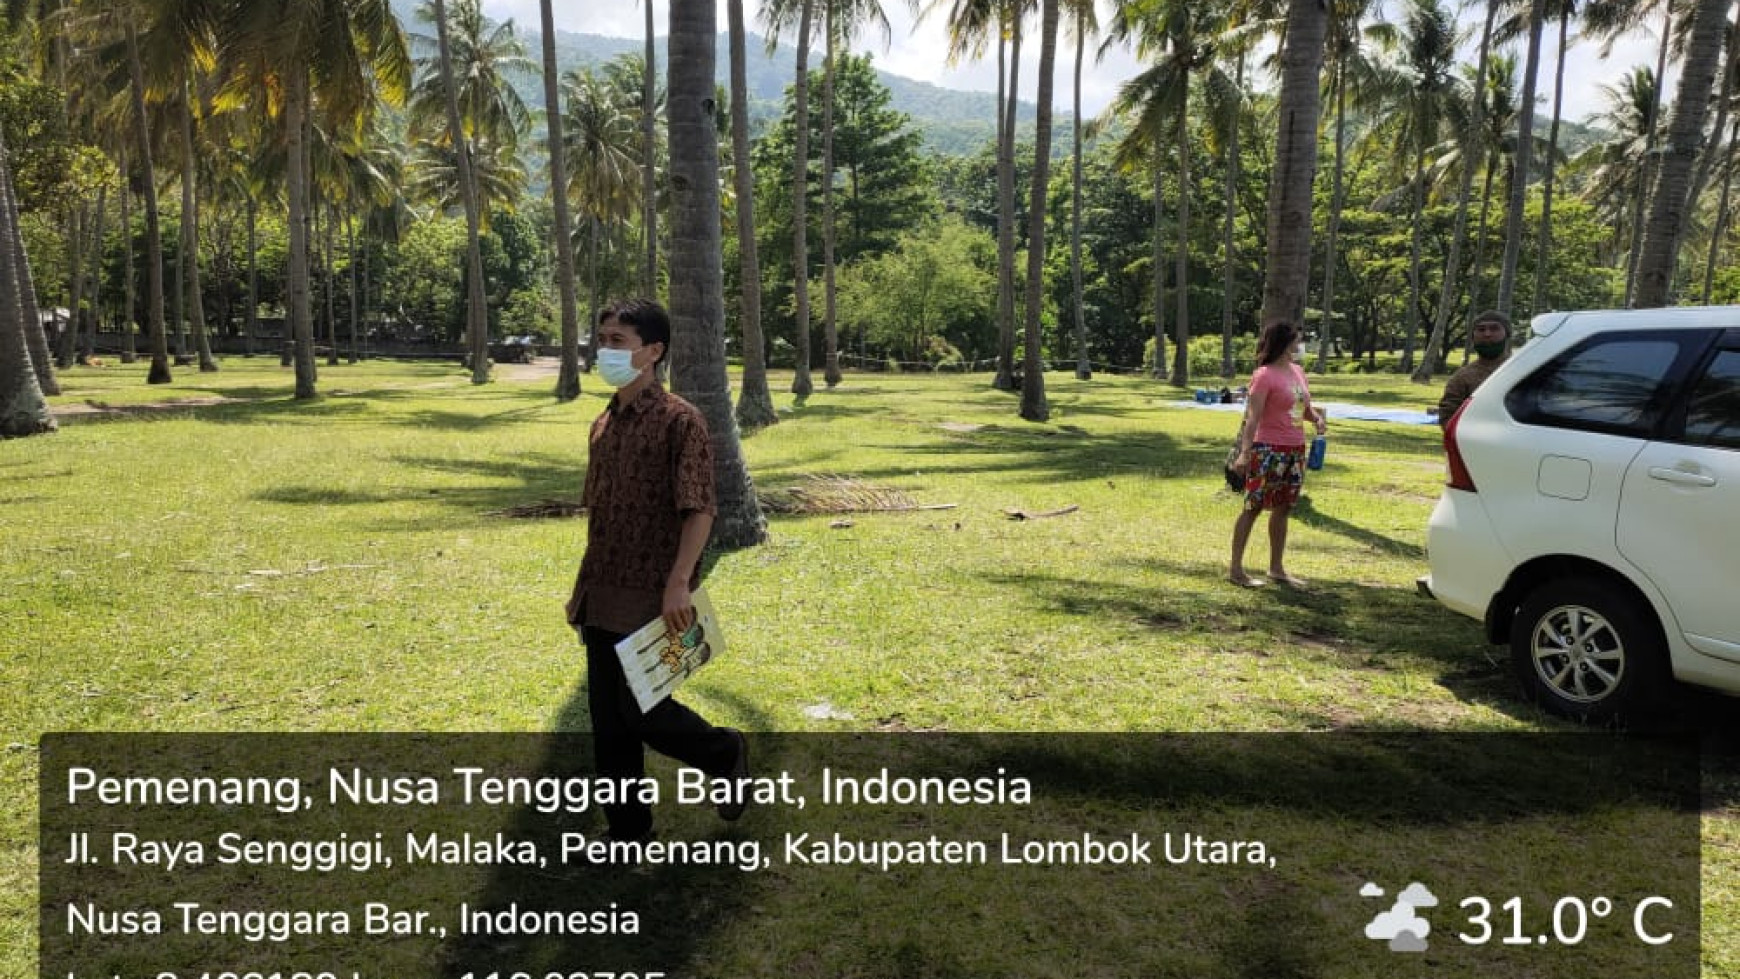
950, 121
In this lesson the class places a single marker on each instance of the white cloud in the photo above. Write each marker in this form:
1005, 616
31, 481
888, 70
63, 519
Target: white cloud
1371, 890
1399, 918
1418, 895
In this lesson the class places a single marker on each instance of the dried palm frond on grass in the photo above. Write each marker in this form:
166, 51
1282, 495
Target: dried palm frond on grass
542, 508
840, 494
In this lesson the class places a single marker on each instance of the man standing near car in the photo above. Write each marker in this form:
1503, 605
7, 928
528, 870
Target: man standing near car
650, 507
1490, 336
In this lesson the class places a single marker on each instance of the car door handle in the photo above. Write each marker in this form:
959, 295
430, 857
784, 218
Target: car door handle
1680, 476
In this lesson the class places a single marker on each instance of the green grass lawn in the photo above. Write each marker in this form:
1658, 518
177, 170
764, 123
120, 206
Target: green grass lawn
262, 564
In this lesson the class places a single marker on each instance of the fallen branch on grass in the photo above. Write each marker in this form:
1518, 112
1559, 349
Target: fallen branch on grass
1024, 515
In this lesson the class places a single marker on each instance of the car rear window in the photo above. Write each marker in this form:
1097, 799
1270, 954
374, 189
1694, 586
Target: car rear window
1606, 384
1713, 411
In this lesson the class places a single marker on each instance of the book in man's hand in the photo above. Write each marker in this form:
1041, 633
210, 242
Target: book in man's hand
657, 660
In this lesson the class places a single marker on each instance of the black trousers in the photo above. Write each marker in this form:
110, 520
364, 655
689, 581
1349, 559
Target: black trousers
620, 732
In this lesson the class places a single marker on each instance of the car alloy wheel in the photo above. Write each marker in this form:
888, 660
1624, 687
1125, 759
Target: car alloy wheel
1578, 653
1589, 649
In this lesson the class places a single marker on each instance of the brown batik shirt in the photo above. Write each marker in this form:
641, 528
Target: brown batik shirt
651, 466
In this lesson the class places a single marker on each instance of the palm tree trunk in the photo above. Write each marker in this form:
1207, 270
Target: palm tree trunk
1525, 141
329, 266
160, 373
1326, 331
1005, 376
1289, 253
35, 338
23, 408
477, 311
697, 279
95, 288
754, 401
1661, 239
129, 353
1419, 210
649, 164
1477, 275
1229, 235
1707, 151
1544, 255
1645, 178
1034, 407
1083, 367
252, 320
830, 335
1181, 271
300, 313
1453, 265
355, 309
195, 302
801, 385
592, 296
69, 337
1720, 231
1159, 261
568, 377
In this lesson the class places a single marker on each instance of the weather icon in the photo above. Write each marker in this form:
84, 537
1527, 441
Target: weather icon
1401, 926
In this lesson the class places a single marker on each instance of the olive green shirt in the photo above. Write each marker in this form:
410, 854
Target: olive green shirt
1463, 384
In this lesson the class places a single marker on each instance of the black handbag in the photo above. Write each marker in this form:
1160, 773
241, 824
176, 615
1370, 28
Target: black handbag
1235, 480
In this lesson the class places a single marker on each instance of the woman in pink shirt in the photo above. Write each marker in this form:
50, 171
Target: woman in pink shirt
1272, 449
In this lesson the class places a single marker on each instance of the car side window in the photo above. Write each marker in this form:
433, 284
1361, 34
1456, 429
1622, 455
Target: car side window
1713, 410
1607, 384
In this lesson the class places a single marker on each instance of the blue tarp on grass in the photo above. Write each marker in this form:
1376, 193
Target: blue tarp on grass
1340, 409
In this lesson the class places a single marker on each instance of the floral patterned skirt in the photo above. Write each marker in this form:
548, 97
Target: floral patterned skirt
1275, 476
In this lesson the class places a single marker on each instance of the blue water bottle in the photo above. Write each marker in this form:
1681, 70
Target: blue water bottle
1319, 447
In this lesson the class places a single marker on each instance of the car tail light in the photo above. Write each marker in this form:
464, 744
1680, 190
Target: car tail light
1459, 477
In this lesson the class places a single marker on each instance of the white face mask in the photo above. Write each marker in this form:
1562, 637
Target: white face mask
617, 368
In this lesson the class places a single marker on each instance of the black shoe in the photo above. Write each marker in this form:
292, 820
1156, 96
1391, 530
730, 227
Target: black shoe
733, 810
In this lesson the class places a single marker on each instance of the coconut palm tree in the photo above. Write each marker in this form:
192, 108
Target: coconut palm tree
1469, 150
1084, 23
1513, 222
1611, 19
649, 194
1661, 239
568, 379
351, 55
1181, 37
1615, 166
778, 15
971, 24
1352, 53
604, 164
1563, 11
754, 401
477, 314
1033, 404
1289, 256
697, 281
1428, 44
23, 409
841, 20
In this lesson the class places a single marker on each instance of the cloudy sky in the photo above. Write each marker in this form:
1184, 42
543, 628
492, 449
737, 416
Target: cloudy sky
918, 51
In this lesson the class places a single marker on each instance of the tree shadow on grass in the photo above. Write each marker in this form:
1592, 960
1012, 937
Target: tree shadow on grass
1308, 514
1055, 456
528, 478
1355, 626
1453, 804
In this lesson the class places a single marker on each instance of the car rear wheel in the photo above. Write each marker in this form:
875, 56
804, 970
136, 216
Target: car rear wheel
1587, 650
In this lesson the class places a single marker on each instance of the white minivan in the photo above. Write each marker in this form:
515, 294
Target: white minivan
1592, 514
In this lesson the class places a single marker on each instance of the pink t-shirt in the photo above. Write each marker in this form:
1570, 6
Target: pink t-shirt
1283, 419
